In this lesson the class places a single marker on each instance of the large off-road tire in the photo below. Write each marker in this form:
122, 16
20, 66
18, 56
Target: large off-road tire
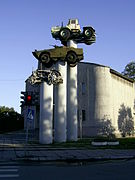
71, 58
64, 34
87, 33
45, 59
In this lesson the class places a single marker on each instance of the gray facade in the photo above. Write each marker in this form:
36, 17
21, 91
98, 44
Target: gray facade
103, 94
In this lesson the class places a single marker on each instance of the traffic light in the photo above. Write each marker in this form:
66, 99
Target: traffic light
23, 97
26, 98
30, 98
35, 98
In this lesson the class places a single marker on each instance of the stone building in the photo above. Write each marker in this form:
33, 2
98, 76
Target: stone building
104, 95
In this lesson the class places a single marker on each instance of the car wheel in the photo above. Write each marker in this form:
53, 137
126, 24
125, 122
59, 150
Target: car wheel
87, 33
71, 58
64, 34
44, 57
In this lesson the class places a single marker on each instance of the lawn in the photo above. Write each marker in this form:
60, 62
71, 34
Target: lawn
124, 143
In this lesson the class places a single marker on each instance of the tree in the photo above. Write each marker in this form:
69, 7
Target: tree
6, 109
10, 120
129, 70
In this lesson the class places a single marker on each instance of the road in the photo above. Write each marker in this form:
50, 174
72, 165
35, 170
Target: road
112, 170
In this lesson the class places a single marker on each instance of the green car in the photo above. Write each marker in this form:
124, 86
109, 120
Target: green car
50, 56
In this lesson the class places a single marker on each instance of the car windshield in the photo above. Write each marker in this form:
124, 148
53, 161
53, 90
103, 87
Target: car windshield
73, 22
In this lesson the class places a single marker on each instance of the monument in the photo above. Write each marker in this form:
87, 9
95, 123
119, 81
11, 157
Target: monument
57, 75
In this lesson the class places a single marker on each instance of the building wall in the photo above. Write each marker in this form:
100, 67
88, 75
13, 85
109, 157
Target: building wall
101, 93
123, 97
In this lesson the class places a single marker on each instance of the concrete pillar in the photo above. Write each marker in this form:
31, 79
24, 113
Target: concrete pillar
60, 103
46, 113
72, 43
72, 124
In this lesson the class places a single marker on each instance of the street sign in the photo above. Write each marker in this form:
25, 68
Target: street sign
30, 114
30, 122
30, 118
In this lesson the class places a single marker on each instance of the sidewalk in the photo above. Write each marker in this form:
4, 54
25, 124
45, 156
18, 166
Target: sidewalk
21, 152
13, 148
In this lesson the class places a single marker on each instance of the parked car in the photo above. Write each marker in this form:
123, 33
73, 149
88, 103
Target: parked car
50, 56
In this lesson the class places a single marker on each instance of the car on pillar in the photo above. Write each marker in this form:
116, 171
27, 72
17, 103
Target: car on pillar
72, 31
50, 56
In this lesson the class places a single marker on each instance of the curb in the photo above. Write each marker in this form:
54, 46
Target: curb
71, 160
66, 160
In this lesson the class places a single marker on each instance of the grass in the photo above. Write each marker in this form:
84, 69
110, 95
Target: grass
127, 143
82, 143
124, 143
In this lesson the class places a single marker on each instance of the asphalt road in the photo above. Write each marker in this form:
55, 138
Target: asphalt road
111, 170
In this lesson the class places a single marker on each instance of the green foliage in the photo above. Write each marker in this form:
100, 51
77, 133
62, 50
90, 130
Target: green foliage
125, 121
10, 120
6, 109
129, 70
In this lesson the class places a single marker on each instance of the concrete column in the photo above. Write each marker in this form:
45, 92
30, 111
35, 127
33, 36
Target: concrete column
60, 103
72, 124
46, 113
72, 43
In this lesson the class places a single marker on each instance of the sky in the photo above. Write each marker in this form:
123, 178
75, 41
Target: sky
26, 25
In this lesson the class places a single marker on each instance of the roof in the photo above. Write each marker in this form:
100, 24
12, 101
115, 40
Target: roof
122, 76
93, 64
111, 71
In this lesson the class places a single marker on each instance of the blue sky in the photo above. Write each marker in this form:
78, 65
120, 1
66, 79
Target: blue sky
25, 26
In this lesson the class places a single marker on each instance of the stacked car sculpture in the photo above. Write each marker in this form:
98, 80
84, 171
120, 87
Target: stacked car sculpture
70, 54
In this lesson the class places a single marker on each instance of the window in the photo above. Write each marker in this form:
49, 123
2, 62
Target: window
83, 115
73, 21
83, 88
